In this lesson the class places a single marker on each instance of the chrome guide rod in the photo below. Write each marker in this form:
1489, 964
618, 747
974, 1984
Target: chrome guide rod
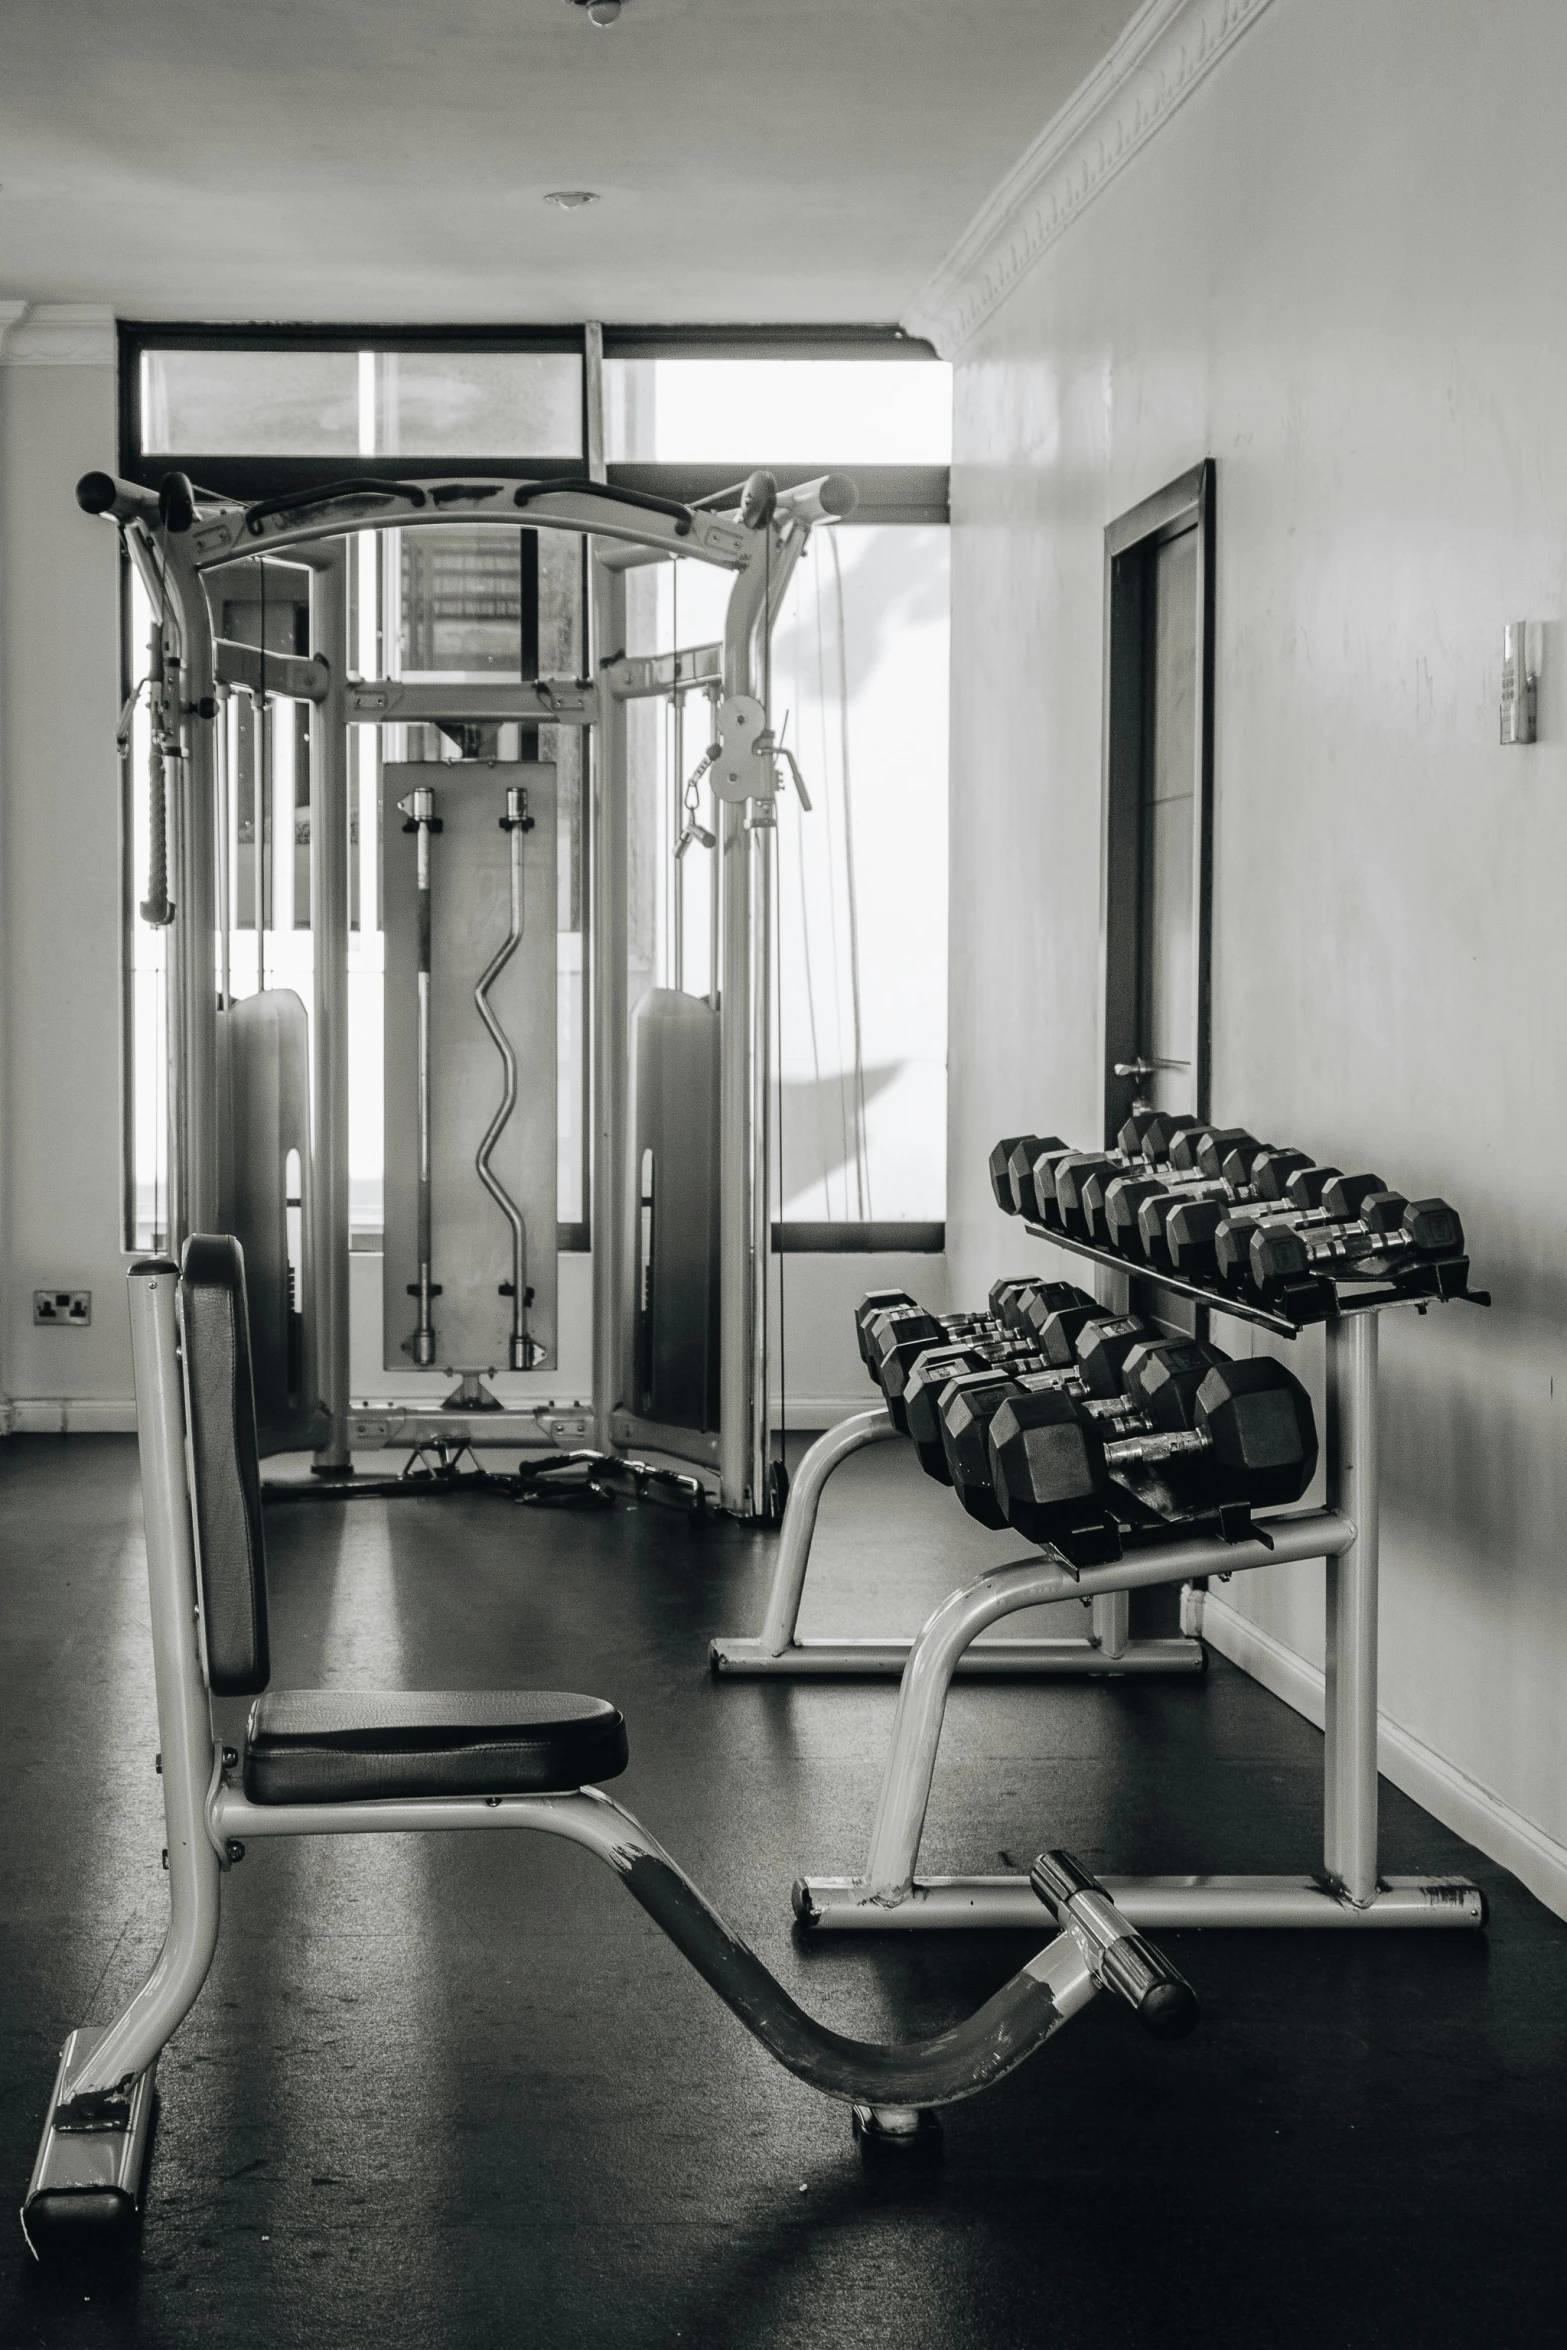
418, 810
762, 829
715, 872
514, 824
327, 1275
745, 1059
609, 885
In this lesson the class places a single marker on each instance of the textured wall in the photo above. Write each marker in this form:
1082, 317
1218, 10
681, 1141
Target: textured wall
1335, 270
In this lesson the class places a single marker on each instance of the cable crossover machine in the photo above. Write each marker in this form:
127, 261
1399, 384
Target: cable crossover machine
470, 981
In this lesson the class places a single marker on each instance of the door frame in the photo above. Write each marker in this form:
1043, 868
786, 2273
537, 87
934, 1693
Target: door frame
1130, 540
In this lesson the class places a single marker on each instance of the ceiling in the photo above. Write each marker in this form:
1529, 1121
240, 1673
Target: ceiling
387, 160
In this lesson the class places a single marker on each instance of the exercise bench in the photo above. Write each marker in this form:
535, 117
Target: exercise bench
334, 1763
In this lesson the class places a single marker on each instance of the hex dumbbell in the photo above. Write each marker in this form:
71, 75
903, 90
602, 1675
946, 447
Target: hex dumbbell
1391, 1233
895, 1338
1252, 1440
967, 1403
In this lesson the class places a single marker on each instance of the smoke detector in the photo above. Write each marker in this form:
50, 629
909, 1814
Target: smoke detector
600, 12
571, 199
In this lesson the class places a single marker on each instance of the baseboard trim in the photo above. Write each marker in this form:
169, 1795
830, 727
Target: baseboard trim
67, 1415
815, 1412
54, 1415
1440, 1787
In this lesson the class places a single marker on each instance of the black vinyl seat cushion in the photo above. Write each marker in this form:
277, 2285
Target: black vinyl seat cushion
357, 1746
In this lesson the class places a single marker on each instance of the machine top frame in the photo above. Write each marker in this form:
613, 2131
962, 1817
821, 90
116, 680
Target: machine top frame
231, 533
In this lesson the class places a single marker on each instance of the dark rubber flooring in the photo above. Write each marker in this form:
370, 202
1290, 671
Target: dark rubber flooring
459, 2092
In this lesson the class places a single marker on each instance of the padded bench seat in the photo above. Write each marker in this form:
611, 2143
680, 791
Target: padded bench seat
355, 1746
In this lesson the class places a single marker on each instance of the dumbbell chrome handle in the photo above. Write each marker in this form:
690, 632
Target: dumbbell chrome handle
1176, 1444
1119, 1958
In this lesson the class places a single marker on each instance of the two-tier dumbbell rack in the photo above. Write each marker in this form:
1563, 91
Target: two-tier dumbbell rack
1349, 1890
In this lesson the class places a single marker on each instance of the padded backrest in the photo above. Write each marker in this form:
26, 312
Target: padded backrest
225, 1465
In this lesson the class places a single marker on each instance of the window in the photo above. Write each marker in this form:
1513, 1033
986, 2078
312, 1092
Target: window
745, 412
347, 403
859, 690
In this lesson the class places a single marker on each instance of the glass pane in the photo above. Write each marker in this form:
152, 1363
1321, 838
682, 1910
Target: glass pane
859, 694
479, 403
371, 403
461, 600
778, 411
250, 403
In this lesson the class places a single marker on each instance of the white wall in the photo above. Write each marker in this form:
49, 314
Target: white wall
59, 876
1336, 267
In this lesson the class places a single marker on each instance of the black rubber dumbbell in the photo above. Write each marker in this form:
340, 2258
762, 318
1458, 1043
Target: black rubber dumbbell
1011, 1163
1191, 1227
1084, 1182
966, 1403
1253, 1441
1160, 1379
1390, 1233
1316, 1198
918, 1411
1212, 1163
896, 1337
1035, 1185
938, 1370
876, 1301
1001, 1348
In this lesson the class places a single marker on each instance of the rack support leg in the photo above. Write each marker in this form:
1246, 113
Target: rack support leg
1350, 1711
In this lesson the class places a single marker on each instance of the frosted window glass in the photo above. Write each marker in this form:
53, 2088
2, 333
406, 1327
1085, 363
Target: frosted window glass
479, 403
778, 411
250, 403
351, 403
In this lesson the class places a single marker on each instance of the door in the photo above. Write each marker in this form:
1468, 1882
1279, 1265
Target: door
1157, 797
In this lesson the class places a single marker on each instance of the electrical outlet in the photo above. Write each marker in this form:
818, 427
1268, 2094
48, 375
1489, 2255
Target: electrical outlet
62, 1309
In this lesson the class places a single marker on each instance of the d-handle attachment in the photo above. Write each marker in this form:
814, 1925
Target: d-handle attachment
1119, 1958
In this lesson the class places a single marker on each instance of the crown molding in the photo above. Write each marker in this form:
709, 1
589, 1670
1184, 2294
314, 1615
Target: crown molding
1166, 50
58, 334
11, 315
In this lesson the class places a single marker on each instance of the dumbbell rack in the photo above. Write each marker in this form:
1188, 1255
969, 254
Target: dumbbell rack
1349, 1890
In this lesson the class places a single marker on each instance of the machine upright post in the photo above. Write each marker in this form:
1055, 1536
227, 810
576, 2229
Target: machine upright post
1349, 1850
327, 1272
736, 1450
195, 1202
609, 880
763, 834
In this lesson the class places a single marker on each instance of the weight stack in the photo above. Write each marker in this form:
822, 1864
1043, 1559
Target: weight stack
674, 1370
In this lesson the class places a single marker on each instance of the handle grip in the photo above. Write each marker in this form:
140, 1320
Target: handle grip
1121, 1959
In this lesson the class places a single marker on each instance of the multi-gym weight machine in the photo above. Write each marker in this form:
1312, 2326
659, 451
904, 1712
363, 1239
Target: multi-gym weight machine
237, 1069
